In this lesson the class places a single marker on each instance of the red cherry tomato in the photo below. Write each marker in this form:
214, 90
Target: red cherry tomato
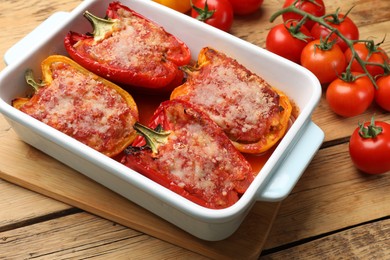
343, 24
369, 53
382, 94
327, 62
369, 147
316, 8
350, 98
245, 7
217, 13
283, 40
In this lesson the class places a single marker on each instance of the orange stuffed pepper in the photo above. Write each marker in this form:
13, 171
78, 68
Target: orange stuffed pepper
82, 105
254, 115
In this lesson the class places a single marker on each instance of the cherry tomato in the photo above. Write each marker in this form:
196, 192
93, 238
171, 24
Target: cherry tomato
343, 24
245, 7
182, 6
350, 98
316, 8
369, 53
369, 147
284, 41
325, 60
382, 94
217, 13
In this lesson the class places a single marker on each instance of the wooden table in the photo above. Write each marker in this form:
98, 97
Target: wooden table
333, 212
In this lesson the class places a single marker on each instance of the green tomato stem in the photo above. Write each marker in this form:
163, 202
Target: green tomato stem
153, 137
369, 131
31, 81
100, 26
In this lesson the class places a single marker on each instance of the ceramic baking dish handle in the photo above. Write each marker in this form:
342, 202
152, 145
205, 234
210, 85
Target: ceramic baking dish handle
290, 170
48, 25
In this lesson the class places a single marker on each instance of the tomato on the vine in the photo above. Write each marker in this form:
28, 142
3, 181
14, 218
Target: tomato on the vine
369, 147
368, 52
340, 22
182, 6
217, 13
325, 60
382, 93
352, 96
316, 8
288, 40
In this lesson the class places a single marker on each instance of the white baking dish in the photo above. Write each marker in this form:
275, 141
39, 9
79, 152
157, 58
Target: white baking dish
274, 182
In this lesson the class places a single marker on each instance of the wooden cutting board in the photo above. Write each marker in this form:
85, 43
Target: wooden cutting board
26, 166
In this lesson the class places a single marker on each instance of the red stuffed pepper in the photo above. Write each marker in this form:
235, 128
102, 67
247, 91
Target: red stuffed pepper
185, 151
129, 49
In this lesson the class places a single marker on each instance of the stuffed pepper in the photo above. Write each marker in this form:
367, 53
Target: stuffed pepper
186, 152
254, 115
82, 105
129, 49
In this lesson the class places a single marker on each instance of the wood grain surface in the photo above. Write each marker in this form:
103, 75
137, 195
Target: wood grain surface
334, 212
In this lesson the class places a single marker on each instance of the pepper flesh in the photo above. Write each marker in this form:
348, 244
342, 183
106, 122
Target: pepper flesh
253, 114
82, 105
192, 157
129, 49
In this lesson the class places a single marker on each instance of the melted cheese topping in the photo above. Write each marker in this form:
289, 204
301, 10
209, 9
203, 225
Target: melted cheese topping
136, 43
82, 107
240, 102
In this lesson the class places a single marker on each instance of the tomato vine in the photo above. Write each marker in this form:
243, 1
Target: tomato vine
323, 21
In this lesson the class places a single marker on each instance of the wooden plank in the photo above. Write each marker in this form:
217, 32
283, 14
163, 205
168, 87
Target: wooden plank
336, 127
368, 241
299, 210
331, 195
20, 205
24, 165
21, 17
362, 11
85, 236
